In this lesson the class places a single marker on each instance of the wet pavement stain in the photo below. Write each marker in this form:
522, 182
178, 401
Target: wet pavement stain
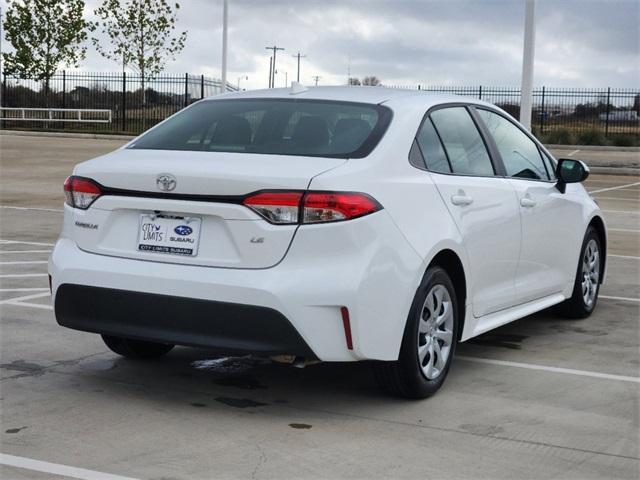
245, 382
28, 369
240, 402
14, 430
301, 426
281, 400
501, 340
478, 429
196, 404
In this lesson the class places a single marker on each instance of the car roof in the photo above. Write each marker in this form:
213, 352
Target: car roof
348, 93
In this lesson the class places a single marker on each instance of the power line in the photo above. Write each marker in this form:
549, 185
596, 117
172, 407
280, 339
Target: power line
272, 76
298, 56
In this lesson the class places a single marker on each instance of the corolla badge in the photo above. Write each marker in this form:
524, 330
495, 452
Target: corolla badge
183, 230
166, 182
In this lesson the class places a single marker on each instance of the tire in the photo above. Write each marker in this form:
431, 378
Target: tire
136, 348
409, 377
584, 297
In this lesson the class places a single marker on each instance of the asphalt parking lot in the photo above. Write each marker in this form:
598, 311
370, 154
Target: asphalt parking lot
543, 397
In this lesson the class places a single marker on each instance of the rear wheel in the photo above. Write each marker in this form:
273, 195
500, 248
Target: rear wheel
136, 348
429, 340
587, 285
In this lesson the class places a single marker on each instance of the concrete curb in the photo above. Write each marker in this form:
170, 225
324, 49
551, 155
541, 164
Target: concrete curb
593, 148
594, 169
615, 170
92, 136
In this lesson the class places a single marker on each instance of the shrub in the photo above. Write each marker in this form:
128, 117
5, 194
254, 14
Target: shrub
628, 140
592, 136
561, 136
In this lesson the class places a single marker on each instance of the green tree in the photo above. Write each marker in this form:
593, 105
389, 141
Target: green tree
141, 34
44, 34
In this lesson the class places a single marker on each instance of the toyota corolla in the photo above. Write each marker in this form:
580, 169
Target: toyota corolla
331, 224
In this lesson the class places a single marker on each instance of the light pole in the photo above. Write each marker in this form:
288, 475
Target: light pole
526, 90
243, 77
225, 15
316, 78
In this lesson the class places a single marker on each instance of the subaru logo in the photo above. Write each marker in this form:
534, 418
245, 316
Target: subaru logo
183, 230
166, 182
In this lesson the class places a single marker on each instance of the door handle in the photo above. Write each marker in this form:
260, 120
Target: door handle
461, 199
527, 202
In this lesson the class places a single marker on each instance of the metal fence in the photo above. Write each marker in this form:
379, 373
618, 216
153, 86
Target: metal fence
567, 115
135, 105
559, 115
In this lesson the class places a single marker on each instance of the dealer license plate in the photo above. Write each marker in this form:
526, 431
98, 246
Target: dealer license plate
171, 235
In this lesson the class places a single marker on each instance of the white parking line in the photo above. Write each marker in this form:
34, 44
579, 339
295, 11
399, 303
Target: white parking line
28, 262
544, 368
621, 211
571, 154
33, 296
2, 252
23, 289
31, 305
627, 230
57, 469
615, 188
12, 242
623, 256
624, 299
39, 209
20, 275
623, 199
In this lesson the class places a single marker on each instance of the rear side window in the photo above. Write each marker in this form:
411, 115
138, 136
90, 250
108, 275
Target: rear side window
463, 144
431, 148
273, 126
520, 155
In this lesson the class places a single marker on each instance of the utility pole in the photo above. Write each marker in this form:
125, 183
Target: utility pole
243, 77
272, 76
225, 15
316, 78
526, 90
270, 69
1, 75
298, 56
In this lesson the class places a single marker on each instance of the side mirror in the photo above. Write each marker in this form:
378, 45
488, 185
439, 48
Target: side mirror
570, 171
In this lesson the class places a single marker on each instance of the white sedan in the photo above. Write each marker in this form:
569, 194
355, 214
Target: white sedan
329, 223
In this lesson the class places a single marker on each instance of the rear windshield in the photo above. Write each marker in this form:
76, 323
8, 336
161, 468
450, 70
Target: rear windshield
272, 126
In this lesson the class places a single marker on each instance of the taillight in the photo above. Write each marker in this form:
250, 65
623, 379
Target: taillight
283, 207
335, 206
81, 192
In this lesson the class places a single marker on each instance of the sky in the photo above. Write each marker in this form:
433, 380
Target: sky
579, 43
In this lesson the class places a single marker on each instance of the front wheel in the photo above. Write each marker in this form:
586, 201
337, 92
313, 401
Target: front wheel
584, 297
136, 348
428, 343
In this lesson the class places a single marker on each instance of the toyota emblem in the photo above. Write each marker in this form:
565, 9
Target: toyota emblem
166, 182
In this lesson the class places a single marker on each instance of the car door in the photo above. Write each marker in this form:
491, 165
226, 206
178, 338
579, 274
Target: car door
482, 204
551, 221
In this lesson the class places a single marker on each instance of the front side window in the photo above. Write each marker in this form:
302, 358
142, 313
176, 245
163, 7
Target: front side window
519, 153
272, 126
464, 146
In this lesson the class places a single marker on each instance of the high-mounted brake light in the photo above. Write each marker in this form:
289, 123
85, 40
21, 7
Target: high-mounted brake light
283, 207
81, 192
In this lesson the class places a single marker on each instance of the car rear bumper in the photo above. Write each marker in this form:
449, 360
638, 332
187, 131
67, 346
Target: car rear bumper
184, 321
365, 265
